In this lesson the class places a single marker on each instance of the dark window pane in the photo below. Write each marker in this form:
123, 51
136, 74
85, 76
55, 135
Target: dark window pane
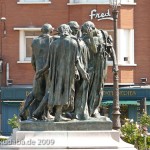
28, 47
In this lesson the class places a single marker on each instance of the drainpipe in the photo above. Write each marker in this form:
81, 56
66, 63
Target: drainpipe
1, 63
1, 70
7, 73
8, 80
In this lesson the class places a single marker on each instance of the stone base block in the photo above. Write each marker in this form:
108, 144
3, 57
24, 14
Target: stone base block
40, 140
74, 125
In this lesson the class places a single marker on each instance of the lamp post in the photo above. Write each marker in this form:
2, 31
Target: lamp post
116, 107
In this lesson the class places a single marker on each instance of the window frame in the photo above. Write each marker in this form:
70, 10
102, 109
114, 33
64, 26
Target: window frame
126, 47
125, 42
22, 43
78, 2
34, 2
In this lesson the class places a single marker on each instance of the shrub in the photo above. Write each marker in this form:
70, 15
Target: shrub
135, 133
3, 139
14, 122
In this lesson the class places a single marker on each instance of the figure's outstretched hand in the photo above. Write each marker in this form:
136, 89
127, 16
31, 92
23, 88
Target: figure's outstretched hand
77, 77
90, 33
86, 77
38, 74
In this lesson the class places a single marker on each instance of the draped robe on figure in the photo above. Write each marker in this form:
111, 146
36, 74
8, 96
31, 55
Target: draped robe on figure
63, 58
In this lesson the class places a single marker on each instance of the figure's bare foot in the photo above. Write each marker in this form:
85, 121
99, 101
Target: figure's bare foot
69, 115
81, 116
50, 117
59, 118
97, 115
36, 116
23, 116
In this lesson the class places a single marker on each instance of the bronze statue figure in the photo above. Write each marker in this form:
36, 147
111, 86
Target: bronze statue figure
40, 50
70, 72
100, 48
81, 85
63, 58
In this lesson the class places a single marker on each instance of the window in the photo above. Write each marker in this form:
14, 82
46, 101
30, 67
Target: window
125, 47
33, 1
89, 1
98, 1
26, 36
29, 36
127, 1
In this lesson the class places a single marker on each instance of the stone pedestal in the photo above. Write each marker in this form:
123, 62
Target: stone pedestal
74, 125
66, 135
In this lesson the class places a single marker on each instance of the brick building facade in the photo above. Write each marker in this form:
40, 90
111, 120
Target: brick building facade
25, 17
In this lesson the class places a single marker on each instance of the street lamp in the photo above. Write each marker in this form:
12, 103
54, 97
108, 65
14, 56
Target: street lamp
116, 107
115, 4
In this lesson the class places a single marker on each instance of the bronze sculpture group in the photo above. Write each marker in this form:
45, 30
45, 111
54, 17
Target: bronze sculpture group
71, 69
